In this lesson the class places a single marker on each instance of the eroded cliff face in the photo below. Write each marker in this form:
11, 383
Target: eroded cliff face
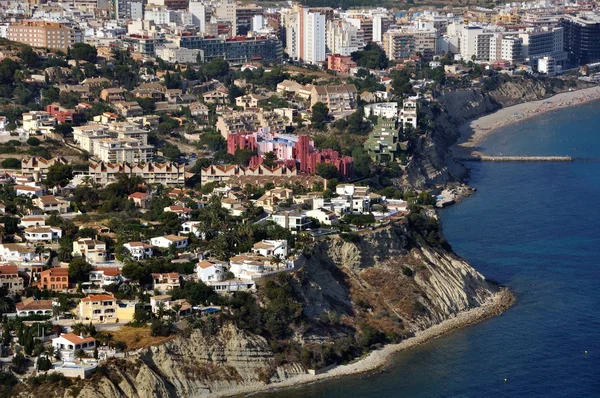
387, 278
433, 162
403, 284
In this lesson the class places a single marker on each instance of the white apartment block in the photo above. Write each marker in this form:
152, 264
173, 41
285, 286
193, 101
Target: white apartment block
314, 37
198, 11
123, 150
290, 20
543, 42
343, 38
179, 55
84, 136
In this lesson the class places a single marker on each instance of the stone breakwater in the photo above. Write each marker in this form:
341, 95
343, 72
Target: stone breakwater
484, 158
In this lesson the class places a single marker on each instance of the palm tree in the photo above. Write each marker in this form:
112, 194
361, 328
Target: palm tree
49, 351
56, 311
161, 310
176, 308
79, 328
277, 260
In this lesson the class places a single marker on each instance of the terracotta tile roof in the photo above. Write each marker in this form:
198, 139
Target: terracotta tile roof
30, 304
73, 338
98, 297
138, 195
9, 270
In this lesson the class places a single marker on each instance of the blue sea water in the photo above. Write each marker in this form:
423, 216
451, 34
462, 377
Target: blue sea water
534, 227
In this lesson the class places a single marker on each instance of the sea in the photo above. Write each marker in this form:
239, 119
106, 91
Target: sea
534, 227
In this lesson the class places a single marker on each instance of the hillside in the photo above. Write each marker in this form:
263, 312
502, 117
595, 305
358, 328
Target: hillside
356, 294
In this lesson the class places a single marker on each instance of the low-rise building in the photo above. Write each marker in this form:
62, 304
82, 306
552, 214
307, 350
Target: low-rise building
69, 344
168, 173
17, 252
32, 221
165, 242
251, 101
127, 150
37, 166
50, 203
165, 303
140, 199
208, 271
43, 234
27, 190
112, 95
31, 306
55, 279
184, 213
337, 98
271, 248
294, 221
106, 276
92, 250
165, 282
104, 308
139, 250
10, 279
324, 216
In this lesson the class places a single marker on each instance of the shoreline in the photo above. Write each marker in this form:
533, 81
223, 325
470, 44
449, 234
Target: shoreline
381, 358
474, 132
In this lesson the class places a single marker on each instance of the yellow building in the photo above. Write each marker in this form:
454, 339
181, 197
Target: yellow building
44, 34
104, 308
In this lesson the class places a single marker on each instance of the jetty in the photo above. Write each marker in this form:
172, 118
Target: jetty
484, 158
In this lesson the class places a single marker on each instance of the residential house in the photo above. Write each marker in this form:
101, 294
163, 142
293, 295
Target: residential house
251, 101
111, 95
28, 190
31, 306
69, 344
184, 213
43, 234
271, 248
55, 279
128, 109
165, 282
50, 203
192, 227
92, 250
38, 122
104, 308
139, 250
250, 267
208, 271
180, 242
218, 96
10, 279
290, 220
324, 216
166, 304
32, 221
17, 252
140, 199
106, 276
337, 98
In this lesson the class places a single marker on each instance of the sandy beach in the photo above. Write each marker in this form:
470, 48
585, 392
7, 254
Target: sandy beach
380, 358
475, 131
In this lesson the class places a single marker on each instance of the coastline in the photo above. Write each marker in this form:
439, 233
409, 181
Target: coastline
474, 132
378, 359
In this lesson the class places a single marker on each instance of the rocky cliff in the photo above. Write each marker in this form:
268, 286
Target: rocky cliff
433, 163
390, 279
